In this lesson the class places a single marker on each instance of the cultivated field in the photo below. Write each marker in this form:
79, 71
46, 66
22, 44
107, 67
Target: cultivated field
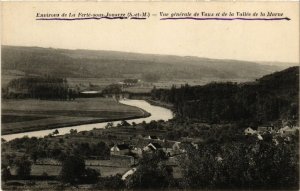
29, 115
52, 170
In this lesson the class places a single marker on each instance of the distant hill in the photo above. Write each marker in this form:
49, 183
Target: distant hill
101, 64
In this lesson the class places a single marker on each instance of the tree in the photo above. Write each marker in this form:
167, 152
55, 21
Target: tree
109, 125
152, 172
112, 89
73, 131
5, 173
39, 87
56, 132
110, 183
125, 123
73, 169
91, 176
241, 165
23, 167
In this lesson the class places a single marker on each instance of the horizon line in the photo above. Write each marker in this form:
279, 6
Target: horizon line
87, 49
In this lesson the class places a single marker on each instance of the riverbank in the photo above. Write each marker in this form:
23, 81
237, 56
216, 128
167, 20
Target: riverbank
19, 116
153, 112
77, 123
160, 104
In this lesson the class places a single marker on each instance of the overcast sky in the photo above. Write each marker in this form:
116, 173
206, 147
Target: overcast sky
242, 40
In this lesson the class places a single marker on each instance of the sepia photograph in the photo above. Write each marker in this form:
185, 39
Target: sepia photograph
149, 95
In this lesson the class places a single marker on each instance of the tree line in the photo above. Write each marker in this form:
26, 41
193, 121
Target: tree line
39, 88
271, 98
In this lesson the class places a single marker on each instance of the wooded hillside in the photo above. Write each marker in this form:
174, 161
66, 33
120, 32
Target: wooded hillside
271, 98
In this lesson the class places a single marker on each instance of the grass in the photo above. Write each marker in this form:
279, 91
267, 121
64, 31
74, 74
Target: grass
29, 115
110, 171
16, 118
52, 170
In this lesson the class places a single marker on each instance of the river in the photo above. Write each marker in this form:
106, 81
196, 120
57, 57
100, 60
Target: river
157, 113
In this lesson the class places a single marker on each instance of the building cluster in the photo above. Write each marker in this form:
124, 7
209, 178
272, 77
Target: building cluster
284, 132
154, 144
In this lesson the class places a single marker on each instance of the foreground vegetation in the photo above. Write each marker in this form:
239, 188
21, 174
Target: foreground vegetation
224, 158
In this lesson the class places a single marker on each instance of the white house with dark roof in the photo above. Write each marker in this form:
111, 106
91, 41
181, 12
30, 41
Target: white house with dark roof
152, 147
153, 137
178, 148
249, 131
120, 149
265, 129
285, 131
260, 137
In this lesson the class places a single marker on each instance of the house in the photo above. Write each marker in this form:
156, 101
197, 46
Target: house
275, 141
137, 151
128, 173
121, 149
287, 139
122, 95
181, 147
194, 141
130, 82
90, 94
219, 158
153, 147
169, 152
249, 131
265, 129
178, 148
260, 137
168, 147
121, 84
153, 137
285, 131
195, 145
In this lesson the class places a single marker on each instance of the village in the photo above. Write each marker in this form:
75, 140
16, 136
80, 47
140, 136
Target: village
126, 144
284, 132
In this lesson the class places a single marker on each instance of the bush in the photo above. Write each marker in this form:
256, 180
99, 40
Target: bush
73, 169
23, 167
112, 182
91, 176
5, 173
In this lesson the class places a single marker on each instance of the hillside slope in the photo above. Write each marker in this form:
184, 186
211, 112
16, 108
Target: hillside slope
269, 99
99, 64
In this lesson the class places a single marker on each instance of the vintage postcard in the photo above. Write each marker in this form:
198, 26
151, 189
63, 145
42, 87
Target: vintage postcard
149, 95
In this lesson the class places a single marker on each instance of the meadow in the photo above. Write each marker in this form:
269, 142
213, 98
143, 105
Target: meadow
52, 170
30, 115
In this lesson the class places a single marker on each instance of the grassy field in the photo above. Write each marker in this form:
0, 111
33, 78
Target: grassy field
29, 115
51, 170
142, 87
